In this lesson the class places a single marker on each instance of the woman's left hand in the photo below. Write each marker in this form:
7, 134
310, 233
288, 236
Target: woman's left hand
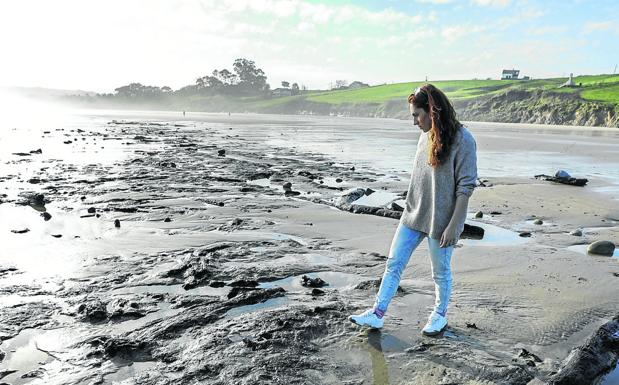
449, 237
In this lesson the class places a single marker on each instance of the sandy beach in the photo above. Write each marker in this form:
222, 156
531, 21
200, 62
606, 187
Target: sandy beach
152, 248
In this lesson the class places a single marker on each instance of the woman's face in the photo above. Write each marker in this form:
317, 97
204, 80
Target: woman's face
420, 118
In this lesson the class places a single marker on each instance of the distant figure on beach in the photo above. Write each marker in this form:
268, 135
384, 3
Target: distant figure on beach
183, 113
442, 180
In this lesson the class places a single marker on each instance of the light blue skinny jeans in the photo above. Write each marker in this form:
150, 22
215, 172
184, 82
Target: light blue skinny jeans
405, 241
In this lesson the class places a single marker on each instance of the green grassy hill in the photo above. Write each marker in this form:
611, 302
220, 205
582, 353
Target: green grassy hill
601, 88
594, 101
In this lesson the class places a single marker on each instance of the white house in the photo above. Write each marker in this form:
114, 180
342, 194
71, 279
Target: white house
279, 92
357, 84
510, 74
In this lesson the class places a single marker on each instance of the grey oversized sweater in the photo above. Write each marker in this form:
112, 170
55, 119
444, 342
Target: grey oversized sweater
432, 191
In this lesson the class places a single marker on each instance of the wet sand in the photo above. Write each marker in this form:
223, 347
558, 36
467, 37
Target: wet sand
202, 280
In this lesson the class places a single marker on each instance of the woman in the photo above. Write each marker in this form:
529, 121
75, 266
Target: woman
443, 178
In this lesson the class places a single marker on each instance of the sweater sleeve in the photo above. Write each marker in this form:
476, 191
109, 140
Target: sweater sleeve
466, 165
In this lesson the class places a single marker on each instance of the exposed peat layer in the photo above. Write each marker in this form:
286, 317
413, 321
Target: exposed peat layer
206, 255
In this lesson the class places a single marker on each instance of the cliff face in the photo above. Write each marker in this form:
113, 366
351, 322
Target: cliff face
539, 107
514, 106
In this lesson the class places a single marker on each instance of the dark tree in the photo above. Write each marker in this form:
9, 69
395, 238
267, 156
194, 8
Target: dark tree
295, 89
251, 78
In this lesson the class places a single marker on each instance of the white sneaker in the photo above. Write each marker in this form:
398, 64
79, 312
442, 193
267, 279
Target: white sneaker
436, 324
367, 318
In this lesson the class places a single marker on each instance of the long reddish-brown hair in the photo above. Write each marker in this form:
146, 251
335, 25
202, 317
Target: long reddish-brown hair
443, 117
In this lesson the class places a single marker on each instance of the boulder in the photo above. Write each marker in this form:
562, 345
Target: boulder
606, 248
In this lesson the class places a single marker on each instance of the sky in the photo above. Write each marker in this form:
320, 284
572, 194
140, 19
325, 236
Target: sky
100, 45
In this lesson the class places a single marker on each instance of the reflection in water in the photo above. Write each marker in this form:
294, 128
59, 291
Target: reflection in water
380, 372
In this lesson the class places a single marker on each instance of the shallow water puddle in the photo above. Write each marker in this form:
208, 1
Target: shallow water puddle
596, 230
334, 280
23, 355
611, 378
268, 304
495, 236
379, 199
311, 259
582, 249
130, 370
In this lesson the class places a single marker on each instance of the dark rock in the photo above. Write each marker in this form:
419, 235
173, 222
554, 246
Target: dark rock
317, 292
596, 356
167, 220
495, 213
471, 325
525, 234
6, 372
124, 209
307, 174
217, 284
221, 152
46, 216
93, 311
396, 207
236, 222
34, 180
524, 353
235, 291
472, 232
538, 222
243, 283
37, 151
576, 233
287, 186
57, 235
292, 193
479, 214
338, 180
374, 284
67, 142
605, 248
213, 202
22, 231
116, 222
312, 282
122, 308
349, 196
91, 210
563, 180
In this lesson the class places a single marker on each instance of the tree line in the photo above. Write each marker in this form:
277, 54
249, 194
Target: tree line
245, 79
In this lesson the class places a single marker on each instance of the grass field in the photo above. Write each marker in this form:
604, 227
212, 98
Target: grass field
603, 88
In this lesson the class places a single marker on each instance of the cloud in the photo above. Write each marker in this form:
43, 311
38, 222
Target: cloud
434, 1
547, 30
491, 3
600, 26
456, 32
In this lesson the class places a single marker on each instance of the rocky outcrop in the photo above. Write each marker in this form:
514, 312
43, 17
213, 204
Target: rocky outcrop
542, 107
596, 357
